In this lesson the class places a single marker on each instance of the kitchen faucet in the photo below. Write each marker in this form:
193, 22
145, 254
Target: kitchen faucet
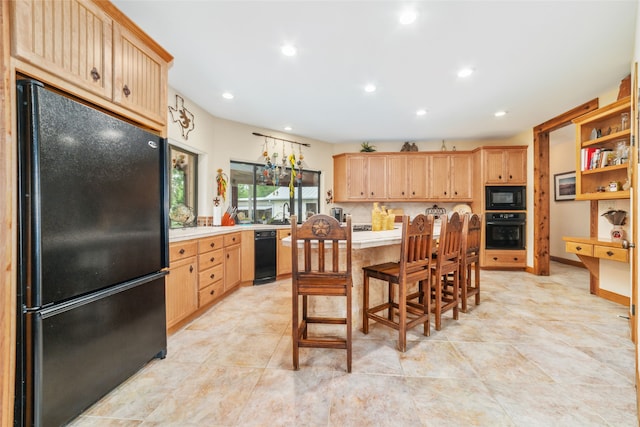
288, 210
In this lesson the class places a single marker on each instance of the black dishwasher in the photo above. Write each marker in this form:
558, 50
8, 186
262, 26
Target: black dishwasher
265, 256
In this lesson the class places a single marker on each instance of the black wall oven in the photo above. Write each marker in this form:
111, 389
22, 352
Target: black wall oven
505, 198
505, 230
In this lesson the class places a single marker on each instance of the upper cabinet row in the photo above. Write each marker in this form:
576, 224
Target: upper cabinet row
93, 50
603, 150
422, 176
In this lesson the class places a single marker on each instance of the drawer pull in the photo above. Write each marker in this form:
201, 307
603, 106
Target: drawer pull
212, 244
578, 248
495, 258
609, 253
515, 258
233, 238
212, 275
191, 269
126, 91
95, 75
227, 256
212, 291
212, 259
181, 251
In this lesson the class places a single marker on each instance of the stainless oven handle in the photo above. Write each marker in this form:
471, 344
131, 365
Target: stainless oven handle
505, 222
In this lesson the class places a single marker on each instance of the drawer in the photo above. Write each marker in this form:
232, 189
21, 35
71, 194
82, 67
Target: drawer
209, 259
180, 250
209, 244
505, 259
614, 254
210, 275
579, 248
231, 239
210, 293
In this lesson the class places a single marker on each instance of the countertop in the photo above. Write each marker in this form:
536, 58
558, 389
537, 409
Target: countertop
180, 234
360, 239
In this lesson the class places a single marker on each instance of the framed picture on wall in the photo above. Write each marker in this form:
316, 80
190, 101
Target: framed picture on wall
564, 186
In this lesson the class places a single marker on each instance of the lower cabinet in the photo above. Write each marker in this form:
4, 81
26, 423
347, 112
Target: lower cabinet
181, 285
201, 271
283, 253
505, 258
232, 261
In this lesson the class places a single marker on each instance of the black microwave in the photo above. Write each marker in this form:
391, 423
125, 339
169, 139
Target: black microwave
505, 198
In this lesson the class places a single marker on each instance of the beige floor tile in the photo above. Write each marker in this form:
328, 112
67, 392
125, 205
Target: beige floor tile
537, 351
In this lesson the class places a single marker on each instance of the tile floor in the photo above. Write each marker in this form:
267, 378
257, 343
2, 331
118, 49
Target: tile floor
538, 351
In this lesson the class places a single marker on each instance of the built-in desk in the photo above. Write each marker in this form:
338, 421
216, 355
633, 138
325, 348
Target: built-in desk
591, 251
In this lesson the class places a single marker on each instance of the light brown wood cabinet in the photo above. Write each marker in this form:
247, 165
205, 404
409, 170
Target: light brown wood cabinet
450, 177
71, 39
505, 258
602, 130
407, 176
181, 285
139, 75
89, 48
283, 253
505, 165
359, 177
402, 177
232, 261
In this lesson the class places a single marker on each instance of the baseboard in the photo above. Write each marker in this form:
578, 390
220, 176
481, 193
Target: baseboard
612, 296
567, 261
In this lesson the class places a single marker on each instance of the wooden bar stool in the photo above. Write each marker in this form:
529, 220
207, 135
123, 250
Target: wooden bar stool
325, 271
470, 262
447, 262
414, 266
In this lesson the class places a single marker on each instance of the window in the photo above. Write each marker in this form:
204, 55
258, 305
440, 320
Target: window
262, 195
183, 182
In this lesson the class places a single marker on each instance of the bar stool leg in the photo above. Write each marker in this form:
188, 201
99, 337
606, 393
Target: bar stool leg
365, 318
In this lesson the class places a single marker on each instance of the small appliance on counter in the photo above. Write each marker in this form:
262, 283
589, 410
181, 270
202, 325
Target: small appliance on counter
337, 213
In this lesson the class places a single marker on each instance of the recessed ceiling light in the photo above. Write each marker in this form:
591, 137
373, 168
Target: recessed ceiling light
288, 128
500, 113
407, 16
465, 72
421, 112
288, 50
370, 88
227, 95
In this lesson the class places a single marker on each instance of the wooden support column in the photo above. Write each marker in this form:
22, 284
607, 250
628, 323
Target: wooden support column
541, 183
594, 270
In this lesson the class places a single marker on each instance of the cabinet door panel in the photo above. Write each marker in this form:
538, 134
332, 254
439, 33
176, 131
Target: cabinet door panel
232, 267
356, 172
439, 173
397, 182
69, 39
182, 290
139, 76
461, 172
418, 178
284, 253
377, 177
516, 165
494, 167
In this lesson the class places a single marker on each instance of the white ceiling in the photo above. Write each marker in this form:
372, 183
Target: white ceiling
534, 59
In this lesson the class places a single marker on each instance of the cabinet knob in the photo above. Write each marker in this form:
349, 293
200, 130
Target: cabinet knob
181, 251
95, 75
499, 176
212, 275
126, 91
515, 258
495, 258
212, 291
609, 253
212, 259
510, 176
362, 193
578, 248
455, 192
191, 269
233, 238
227, 256
445, 193
413, 193
212, 244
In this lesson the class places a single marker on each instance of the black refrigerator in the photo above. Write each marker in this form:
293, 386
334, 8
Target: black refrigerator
92, 243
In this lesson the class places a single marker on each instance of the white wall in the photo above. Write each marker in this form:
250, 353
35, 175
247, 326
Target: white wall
218, 141
569, 217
